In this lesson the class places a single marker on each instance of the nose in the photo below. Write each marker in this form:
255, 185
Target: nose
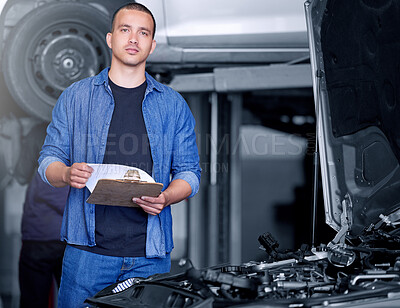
133, 39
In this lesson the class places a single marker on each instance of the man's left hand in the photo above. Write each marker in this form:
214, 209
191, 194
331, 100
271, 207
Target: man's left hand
152, 205
177, 191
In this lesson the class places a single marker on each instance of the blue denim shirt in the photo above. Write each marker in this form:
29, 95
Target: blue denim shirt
78, 133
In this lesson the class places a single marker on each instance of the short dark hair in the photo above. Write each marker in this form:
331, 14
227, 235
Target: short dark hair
137, 7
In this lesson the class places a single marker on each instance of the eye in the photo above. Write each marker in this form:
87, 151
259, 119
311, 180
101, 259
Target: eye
124, 30
144, 33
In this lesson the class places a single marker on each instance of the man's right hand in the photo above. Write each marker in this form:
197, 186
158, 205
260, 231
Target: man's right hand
77, 175
59, 175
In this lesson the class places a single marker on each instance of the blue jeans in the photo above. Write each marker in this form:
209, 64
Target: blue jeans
85, 273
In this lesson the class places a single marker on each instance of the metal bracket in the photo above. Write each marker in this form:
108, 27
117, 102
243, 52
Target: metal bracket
390, 220
346, 221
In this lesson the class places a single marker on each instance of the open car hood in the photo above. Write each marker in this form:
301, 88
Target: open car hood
355, 59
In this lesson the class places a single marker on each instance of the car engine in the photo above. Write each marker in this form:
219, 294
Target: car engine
344, 273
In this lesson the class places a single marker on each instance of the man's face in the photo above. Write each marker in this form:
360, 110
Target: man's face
132, 38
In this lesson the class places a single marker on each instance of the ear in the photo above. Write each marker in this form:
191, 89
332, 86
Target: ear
108, 39
153, 46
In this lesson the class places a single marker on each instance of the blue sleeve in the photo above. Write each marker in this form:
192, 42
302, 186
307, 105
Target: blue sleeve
56, 146
185, 156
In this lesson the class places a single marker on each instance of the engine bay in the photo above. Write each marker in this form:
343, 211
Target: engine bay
346, 272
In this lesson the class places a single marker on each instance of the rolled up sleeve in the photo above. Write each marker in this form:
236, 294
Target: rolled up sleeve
185, 159
191, 178
56, 145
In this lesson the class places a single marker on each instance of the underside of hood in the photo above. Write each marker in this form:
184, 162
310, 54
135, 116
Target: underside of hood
355, 59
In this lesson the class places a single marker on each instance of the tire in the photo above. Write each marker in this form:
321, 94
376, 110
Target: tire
50, 48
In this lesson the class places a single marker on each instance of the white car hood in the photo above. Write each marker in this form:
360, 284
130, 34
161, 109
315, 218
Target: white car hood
355, 59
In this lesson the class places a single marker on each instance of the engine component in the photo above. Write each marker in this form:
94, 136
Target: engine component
341, 274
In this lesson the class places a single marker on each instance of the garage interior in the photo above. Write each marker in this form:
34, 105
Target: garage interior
255, 126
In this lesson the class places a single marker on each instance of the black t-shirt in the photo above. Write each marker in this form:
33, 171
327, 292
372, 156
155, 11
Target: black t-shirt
121, 231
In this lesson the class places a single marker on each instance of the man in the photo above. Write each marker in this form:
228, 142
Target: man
42, 251
120, 116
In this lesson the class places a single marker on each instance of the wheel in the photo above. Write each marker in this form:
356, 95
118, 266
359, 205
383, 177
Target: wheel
50, 48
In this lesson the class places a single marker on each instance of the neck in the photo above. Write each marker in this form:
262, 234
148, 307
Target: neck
127, 77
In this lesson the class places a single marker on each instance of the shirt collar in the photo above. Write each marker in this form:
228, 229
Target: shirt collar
102, 78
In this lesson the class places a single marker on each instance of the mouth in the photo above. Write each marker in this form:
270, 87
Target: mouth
131, 50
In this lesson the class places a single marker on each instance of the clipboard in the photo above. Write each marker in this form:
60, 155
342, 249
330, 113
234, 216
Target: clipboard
120, 192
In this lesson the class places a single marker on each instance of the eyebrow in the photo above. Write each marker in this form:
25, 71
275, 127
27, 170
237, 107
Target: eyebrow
129, 26
145, 29
124, 26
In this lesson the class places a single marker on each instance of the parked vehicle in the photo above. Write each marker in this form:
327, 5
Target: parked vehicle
47, 45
